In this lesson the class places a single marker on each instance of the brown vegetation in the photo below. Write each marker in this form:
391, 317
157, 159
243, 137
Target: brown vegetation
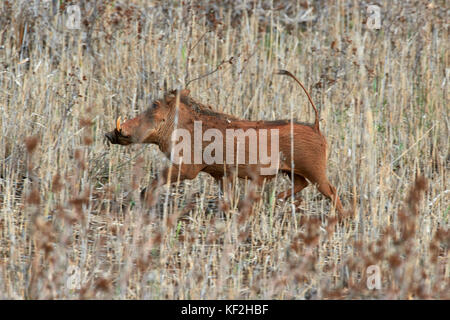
72, 225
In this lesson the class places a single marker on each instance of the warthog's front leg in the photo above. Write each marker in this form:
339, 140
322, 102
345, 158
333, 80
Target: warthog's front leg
170, 175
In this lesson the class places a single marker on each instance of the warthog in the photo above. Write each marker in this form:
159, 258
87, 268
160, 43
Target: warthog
254, 149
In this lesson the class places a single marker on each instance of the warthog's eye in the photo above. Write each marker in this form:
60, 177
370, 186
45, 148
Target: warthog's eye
123, 135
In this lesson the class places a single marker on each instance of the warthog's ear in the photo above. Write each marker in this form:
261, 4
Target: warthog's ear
168, 98
185, 92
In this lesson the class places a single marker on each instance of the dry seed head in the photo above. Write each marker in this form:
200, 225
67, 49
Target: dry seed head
34, 197
86, 122
87, 140
31, 143
103, 284
56, 183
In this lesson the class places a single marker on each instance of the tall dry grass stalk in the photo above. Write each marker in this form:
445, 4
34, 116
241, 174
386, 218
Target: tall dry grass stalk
72, 225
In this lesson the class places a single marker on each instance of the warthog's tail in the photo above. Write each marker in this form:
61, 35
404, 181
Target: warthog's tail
287, 73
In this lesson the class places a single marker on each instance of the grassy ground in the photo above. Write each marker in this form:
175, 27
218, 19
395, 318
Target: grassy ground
72, 225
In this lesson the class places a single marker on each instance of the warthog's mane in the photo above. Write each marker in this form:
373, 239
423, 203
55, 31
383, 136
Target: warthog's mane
203, 109
208, 111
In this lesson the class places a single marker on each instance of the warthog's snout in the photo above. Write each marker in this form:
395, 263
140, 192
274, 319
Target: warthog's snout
118, 135
112, 137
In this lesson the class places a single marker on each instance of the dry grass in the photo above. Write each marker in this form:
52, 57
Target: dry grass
69, 203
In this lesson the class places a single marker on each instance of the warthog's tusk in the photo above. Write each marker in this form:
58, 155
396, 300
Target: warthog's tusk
118, 124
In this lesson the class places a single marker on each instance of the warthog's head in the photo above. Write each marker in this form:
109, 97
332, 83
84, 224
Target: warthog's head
148, 127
